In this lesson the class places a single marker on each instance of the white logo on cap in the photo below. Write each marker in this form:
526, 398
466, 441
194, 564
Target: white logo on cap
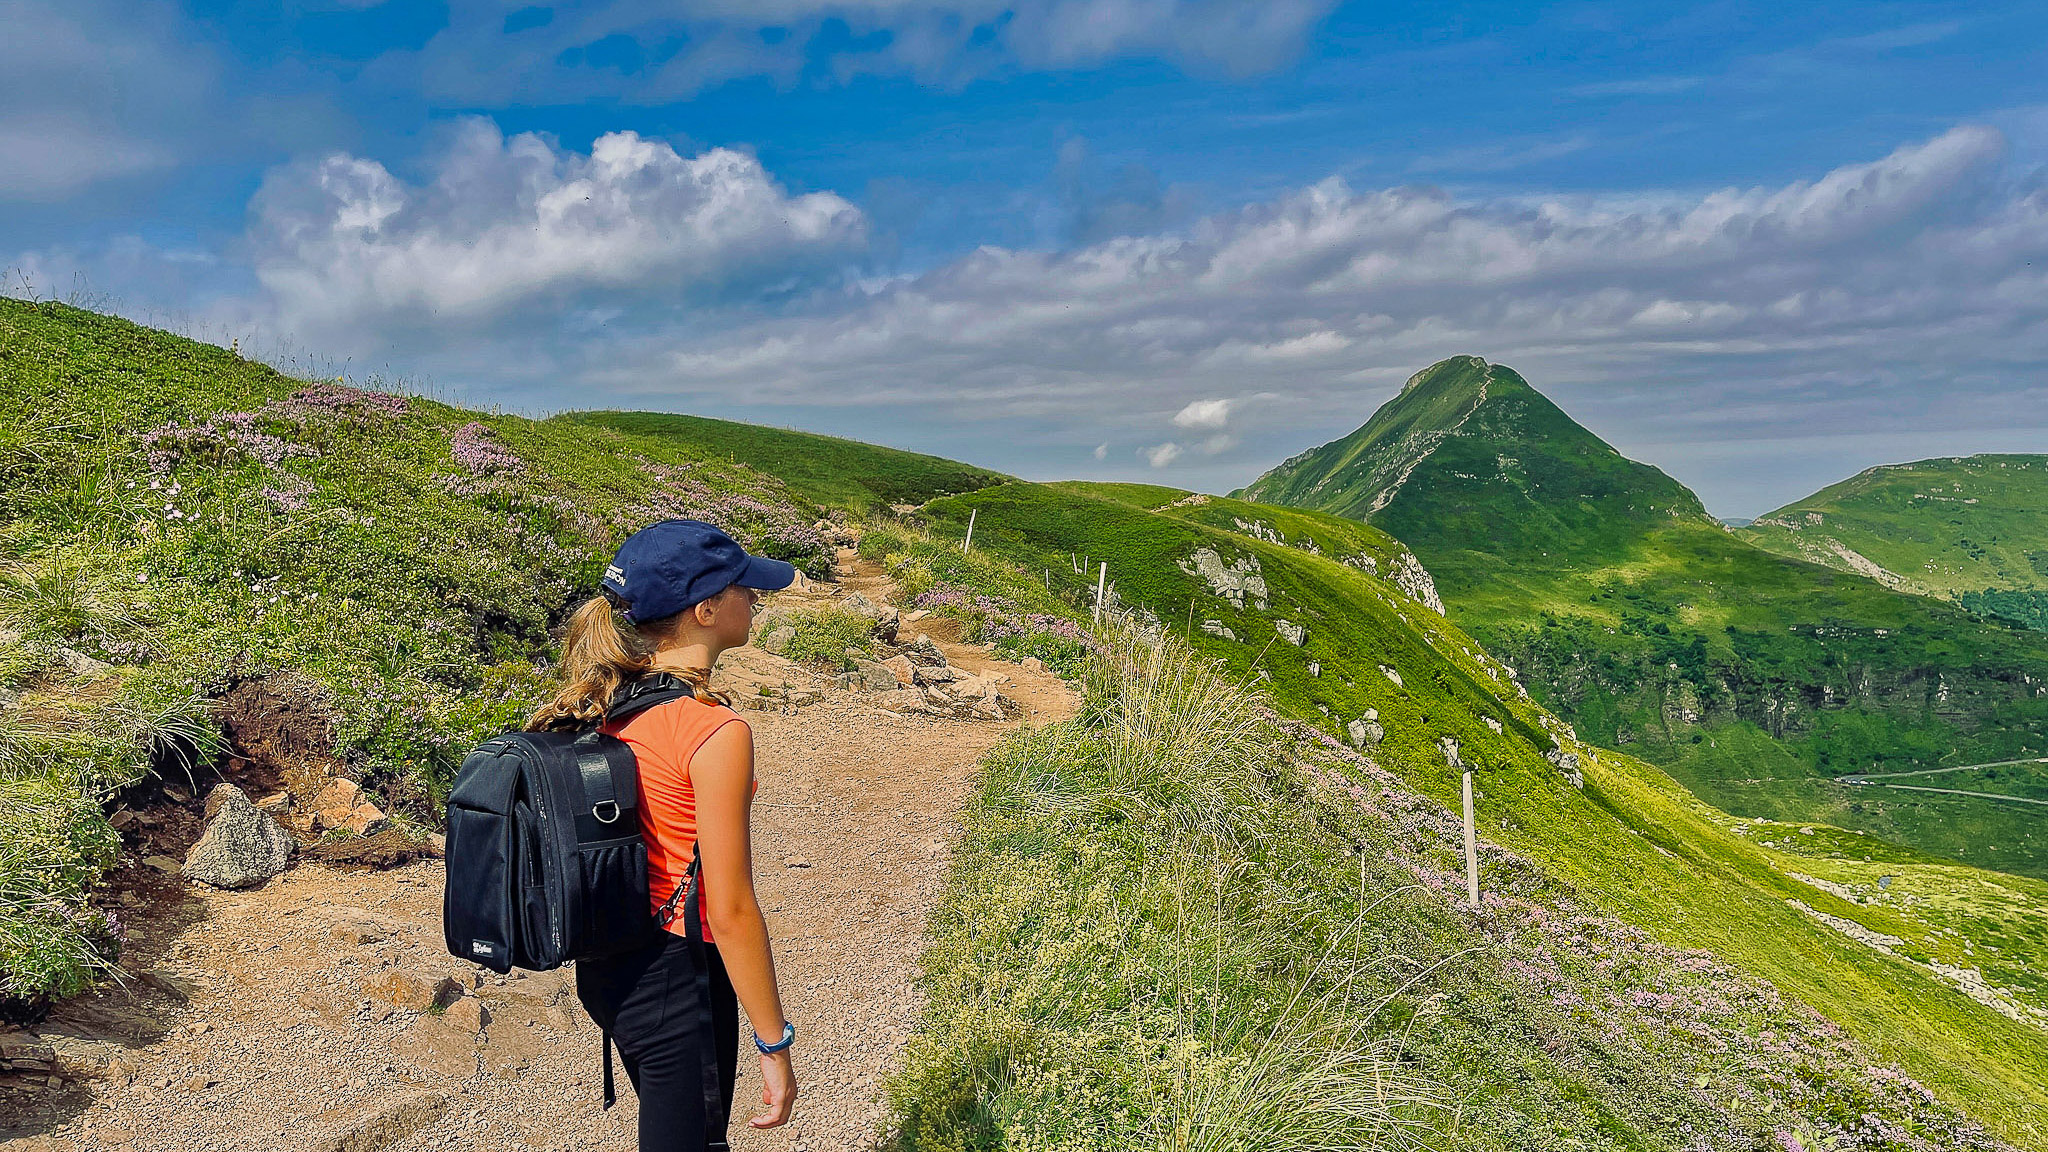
614, 574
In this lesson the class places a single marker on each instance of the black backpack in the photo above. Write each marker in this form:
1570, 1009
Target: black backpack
545, 860
546, 864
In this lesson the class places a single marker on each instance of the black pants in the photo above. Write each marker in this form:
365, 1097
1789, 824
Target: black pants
648, 998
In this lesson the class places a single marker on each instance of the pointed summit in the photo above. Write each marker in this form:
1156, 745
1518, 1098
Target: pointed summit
1470, 458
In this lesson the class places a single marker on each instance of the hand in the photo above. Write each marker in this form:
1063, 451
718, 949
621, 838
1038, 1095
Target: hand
778, 1090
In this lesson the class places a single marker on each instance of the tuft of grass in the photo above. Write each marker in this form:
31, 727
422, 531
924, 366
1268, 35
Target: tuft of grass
825, 633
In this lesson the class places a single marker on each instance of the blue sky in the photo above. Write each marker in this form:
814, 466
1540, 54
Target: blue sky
1761, 246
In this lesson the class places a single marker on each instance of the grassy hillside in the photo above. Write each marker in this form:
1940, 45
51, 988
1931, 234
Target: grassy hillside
823, 469
1754, 678
1630, 841
1958, 527
177, 523
1469, 451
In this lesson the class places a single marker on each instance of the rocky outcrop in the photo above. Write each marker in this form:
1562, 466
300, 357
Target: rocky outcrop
242, 846
1366, 730
1238, 581
1411, 577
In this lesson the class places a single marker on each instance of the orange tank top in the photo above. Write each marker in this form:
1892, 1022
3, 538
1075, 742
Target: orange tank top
664, 739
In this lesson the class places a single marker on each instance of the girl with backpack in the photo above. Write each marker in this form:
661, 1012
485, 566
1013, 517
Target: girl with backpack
677, 596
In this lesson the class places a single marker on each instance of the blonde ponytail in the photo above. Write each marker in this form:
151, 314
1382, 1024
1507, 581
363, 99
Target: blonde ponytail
602, 652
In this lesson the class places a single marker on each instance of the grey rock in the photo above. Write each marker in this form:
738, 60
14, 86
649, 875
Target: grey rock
777, 640
241, 848
925, 651
877, 677
1366, 730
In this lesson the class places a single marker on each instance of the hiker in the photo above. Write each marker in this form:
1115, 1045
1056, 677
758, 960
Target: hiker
677, 596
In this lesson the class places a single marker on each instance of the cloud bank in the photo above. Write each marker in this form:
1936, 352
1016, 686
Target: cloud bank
1905, 294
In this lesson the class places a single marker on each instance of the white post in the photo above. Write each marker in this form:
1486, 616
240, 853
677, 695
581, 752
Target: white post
1471, 846
967, 545
1101, 581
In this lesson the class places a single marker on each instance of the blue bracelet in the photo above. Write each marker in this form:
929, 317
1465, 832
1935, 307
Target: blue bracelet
788, 1038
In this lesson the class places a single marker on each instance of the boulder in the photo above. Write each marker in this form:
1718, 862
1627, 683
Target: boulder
242, 846
876, 676
778, 640
1366, 730
336, 803
886, 623
364, 818
906, 672
989, 707
902, 700
1032, 664
924, 652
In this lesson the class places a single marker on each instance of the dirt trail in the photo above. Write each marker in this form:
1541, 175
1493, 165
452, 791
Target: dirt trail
266, 1018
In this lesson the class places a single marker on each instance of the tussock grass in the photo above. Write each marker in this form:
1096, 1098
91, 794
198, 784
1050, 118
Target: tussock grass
1119, 963
824, 634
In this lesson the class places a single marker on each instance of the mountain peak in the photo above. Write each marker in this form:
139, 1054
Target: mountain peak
1470, 457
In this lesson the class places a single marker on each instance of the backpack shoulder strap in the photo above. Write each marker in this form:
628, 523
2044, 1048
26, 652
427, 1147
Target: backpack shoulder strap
644, 693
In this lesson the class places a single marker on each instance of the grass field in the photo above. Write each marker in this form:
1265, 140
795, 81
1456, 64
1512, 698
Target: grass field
1631, 841
825, 470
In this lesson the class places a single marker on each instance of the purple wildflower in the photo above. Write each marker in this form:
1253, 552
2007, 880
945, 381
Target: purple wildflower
477, 449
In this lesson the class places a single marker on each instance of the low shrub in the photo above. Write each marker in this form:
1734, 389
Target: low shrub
54, 843
823, 634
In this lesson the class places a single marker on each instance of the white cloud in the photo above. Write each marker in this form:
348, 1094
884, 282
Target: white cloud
1204, 414
505, 222
1160, 455
1102, 450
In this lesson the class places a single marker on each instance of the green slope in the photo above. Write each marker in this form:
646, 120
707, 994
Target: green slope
1970, 528
1756, 679
176, 521
1470, 452
823, 469
1630, 840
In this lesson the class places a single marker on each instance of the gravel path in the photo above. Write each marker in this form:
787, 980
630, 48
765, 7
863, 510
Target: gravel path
320, 1011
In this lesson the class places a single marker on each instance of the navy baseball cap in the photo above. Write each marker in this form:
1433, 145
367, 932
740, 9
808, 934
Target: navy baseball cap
663, 569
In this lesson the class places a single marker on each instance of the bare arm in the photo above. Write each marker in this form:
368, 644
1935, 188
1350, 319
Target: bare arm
722, 773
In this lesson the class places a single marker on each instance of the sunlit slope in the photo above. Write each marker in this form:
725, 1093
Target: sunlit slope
1470, 456
1755, 678
828, 470
1959, 527
1631, 840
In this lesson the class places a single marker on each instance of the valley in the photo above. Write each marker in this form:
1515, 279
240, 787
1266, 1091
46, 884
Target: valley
1247, 828
1755, 678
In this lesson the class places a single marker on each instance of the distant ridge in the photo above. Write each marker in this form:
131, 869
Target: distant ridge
1946, 526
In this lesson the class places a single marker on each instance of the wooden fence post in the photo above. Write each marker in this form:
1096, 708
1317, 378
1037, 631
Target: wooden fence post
1101, 581
1471, 845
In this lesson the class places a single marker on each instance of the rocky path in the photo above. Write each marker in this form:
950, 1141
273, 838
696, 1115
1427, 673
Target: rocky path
320, 1011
